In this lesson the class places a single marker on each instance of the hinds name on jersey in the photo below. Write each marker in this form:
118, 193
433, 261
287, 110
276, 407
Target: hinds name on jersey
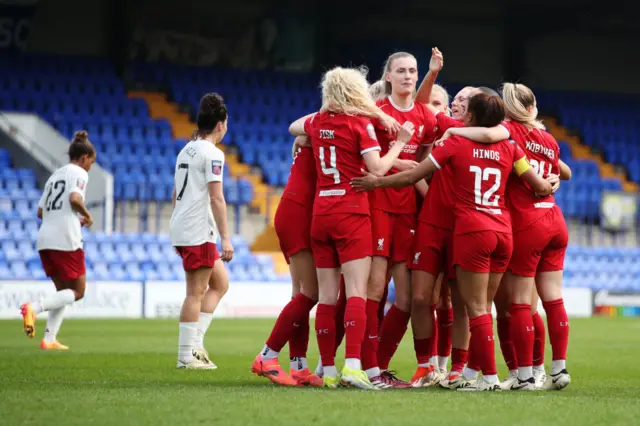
486, 154
537, 148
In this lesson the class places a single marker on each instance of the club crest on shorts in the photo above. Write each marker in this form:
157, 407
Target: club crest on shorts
381, 244
216, 167
416, 258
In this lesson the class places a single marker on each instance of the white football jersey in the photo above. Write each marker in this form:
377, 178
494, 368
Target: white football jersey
192, 224
61, 229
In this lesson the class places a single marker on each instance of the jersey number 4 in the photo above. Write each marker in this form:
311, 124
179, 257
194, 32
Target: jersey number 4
56, 202
482, 175
332, 170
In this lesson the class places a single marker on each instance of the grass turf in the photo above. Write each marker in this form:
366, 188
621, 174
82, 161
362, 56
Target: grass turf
123, 372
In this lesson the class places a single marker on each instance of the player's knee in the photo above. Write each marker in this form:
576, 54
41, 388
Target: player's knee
475, 309
420, 302
79, 294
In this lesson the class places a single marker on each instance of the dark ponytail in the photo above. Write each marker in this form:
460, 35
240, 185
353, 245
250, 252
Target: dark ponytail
81, 146
212, 111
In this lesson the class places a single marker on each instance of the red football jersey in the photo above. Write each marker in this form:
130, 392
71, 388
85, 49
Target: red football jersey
301, 186
479, 173
444, 123
440, 201
402, 200
543, 154
339, 141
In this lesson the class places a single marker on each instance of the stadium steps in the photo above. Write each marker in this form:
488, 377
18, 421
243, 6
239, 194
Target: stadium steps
581, 151
160, 107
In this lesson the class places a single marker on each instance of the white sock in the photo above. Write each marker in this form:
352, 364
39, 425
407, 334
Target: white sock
434, 361
188, 333
525, 373
491, 378
424, 365
557, 365
268, 353
57, 300
539, 368
330, 371
469, 373
298, 363
37, 307
319, 369
353, 363
53, 324
513, 373
204, 320
373, 372
442, 362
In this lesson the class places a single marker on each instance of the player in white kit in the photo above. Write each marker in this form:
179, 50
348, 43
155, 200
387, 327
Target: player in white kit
63, 213
199, 216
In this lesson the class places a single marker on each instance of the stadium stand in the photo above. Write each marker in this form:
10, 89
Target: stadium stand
138, 135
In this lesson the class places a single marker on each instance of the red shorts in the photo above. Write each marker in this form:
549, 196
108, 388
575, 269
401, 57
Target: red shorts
293, 227
340, 238
65, 265
202, 256
541, 247
433, 251
483, 251
392, 234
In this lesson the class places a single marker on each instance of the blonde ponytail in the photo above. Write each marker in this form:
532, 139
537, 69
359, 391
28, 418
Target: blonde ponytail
346, 91
377, 91
517, 99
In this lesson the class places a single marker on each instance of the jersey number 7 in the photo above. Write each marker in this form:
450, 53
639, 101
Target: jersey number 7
186, 176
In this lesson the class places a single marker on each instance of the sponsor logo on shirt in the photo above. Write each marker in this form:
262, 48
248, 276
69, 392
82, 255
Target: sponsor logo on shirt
80, 183
216, 167
371, 131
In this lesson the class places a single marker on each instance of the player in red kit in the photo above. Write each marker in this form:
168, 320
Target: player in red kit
343, 141
293, 226
393, 220
541, 238
482, 232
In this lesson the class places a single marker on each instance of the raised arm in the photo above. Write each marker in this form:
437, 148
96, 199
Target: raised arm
435, 65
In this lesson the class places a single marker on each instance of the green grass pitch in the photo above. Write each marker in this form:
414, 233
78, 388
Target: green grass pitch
122, 372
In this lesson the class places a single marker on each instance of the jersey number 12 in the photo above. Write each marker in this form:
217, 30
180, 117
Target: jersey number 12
483, 175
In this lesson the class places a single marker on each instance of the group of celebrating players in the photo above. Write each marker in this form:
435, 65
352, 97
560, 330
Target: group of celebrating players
458, 209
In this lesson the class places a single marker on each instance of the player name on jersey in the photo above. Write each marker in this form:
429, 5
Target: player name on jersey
538, 148
486, 154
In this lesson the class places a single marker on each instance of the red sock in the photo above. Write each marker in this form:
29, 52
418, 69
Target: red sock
445, 325
293, 313
355, 323
423, 349
434, 333
538, 343
475, 361
369, 354
383, 303
325, 333
506, 344
391, 333
458, 359
482, 342
521, 326
299, 342
558, 325
340, 307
